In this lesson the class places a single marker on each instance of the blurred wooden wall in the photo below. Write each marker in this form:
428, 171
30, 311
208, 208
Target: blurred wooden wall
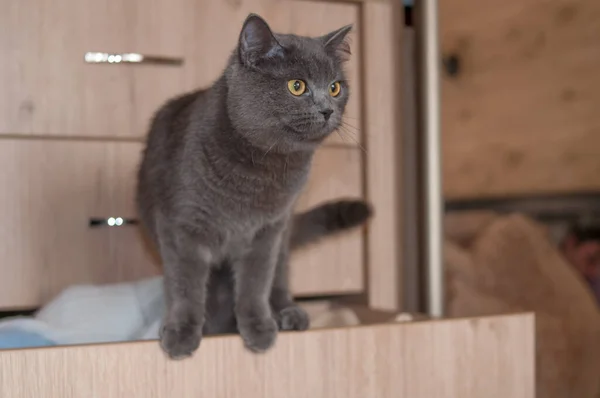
522, 115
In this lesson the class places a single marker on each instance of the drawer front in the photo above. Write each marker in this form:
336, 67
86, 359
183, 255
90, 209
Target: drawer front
496, 358
521, 117
49, 192
51, 188
336, 264
48, 89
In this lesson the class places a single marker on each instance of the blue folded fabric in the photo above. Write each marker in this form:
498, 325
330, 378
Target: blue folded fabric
16, 338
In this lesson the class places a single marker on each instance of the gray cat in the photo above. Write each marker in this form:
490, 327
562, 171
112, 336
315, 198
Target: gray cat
221, 173
307, 228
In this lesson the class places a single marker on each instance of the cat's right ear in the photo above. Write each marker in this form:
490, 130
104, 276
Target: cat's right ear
336, 42
257, 42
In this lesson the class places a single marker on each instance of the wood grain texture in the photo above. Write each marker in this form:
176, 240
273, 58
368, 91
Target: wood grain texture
471, 358
50, 190
522, 117
334, 265
48, 90
382, 24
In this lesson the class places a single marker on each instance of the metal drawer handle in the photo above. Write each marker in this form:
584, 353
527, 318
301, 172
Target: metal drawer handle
130, 58
112, 222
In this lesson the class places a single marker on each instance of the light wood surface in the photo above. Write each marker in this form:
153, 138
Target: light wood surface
471, 358
48, 89
51, 188
522, 117
382, 24
334, 265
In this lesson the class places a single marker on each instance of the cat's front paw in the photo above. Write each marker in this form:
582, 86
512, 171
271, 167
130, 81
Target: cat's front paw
179, 341
293, 318
259, 334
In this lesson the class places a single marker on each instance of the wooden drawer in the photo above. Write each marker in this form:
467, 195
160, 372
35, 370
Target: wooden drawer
485, 357
522, 115
48, 89
51, 189
334, 266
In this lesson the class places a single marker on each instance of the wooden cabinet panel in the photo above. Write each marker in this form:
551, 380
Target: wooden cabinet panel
51, 189
522, 115
48, 89
384, 168
336, 264
472, 358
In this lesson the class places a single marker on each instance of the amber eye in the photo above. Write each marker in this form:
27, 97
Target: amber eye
297, 87
335, 89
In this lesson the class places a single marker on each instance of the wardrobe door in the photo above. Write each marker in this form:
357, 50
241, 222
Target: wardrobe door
521, 115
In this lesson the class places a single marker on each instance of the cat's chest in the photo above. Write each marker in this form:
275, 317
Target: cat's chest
240, 236
249, 213
267, 194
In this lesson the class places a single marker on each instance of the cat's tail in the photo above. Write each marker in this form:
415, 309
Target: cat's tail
328, 219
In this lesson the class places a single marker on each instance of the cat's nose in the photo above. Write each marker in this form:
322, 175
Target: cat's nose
326, 113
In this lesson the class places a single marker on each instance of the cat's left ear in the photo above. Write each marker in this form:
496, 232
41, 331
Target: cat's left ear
257, 42
336, 42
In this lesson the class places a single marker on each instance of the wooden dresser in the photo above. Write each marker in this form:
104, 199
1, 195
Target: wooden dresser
74, 114
71, 132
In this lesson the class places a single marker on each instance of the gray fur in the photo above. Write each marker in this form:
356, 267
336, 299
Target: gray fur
308, 227
327, 219
220, 175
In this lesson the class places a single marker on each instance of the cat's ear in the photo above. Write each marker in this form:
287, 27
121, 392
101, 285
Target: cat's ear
257, 41
336, 42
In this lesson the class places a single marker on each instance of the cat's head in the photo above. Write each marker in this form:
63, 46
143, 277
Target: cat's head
287, 92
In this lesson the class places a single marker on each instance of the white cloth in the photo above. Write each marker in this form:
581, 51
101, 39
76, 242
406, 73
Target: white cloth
86, 314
